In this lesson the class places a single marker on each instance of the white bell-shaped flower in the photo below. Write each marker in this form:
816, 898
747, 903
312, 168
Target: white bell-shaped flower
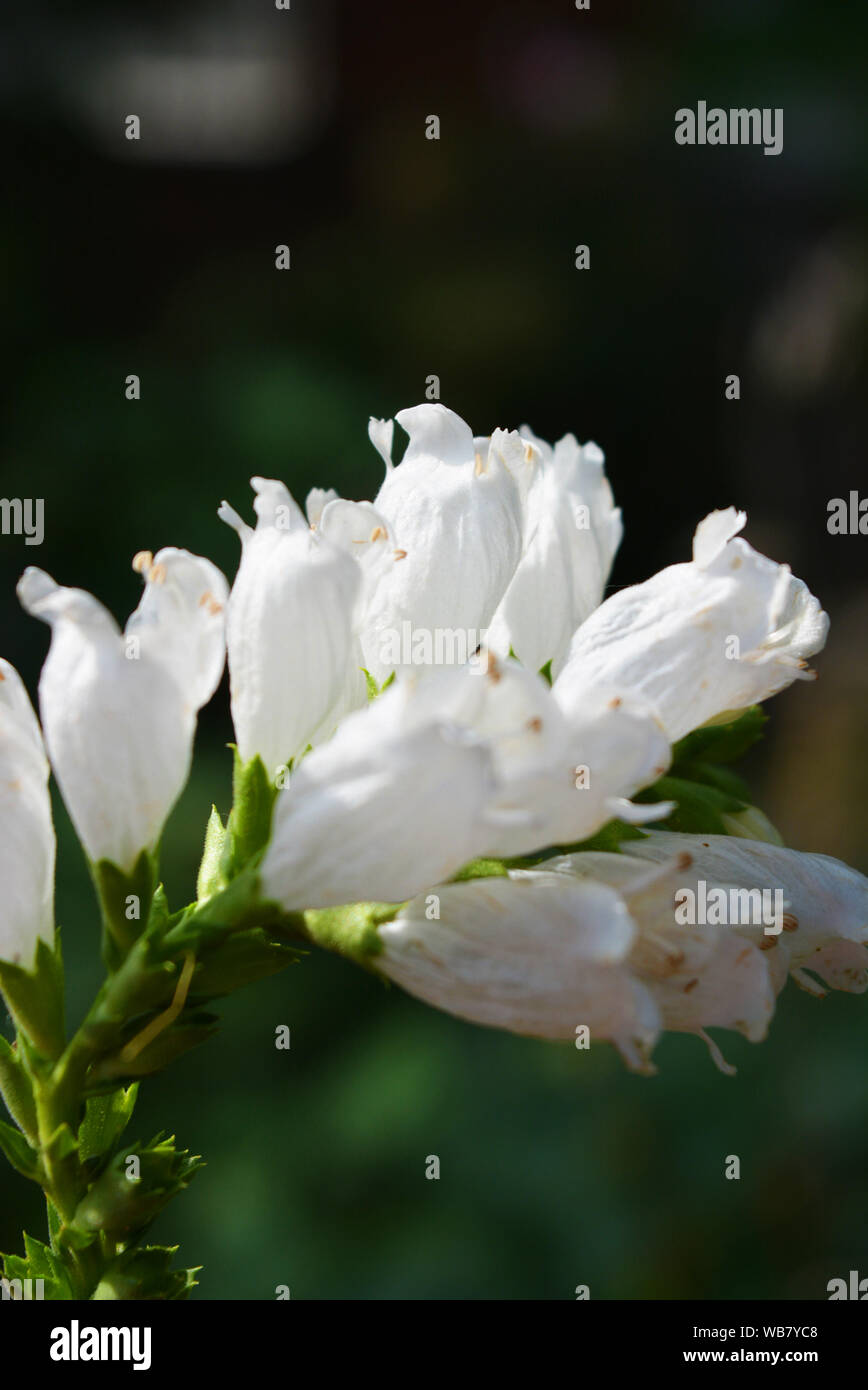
719, 633
824, 923
26, 831
453, 515
119, 709
289, 628
394, 801
571, 531
560, 774
535, 952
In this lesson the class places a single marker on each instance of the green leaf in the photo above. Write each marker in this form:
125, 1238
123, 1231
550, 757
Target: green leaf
166, 1047
23, 1158
210, 879
105, 1119
713, 775
546, 672
17, 1090
240, 959
721, 743
35, 998
699, 808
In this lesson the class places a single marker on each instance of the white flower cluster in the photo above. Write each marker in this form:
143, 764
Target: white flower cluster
386, 799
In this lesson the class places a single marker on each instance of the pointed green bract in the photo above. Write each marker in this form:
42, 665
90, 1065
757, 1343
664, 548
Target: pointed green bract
249, 826
125, 902
105, 1119
210, 879
39, 1263
122, 1204
35, 998
16, 1089
145, 1272
24, 1159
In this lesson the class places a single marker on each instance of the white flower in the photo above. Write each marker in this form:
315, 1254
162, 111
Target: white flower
453, 515
119, 710
604, 946
394, 801
826, 902
726, 630
560, 775
289, 628
571, 531
26, 831
536, 953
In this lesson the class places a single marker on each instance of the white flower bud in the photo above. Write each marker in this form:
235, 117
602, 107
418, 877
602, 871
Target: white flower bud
289, 628
453, 514
571, 531
119, 710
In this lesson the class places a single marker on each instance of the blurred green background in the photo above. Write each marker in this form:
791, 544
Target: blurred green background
412, 257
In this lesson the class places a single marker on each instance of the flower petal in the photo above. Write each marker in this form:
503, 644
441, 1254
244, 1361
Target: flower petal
27, 847
392, 802
534, 953
571, 532
726, 630
118, 724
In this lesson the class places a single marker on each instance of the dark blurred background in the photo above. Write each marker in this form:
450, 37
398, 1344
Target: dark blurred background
413, 257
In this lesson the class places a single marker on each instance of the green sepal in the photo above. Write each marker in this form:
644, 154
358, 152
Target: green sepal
144, 1273
373, 688
241, 959
121, 1205
546, 672
159, 916
190, 1031
350, 930
114, 889
35, 998
39, 1262
249, 826
481, 868
211, 879
105, 1119
16, 1089
700, 807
